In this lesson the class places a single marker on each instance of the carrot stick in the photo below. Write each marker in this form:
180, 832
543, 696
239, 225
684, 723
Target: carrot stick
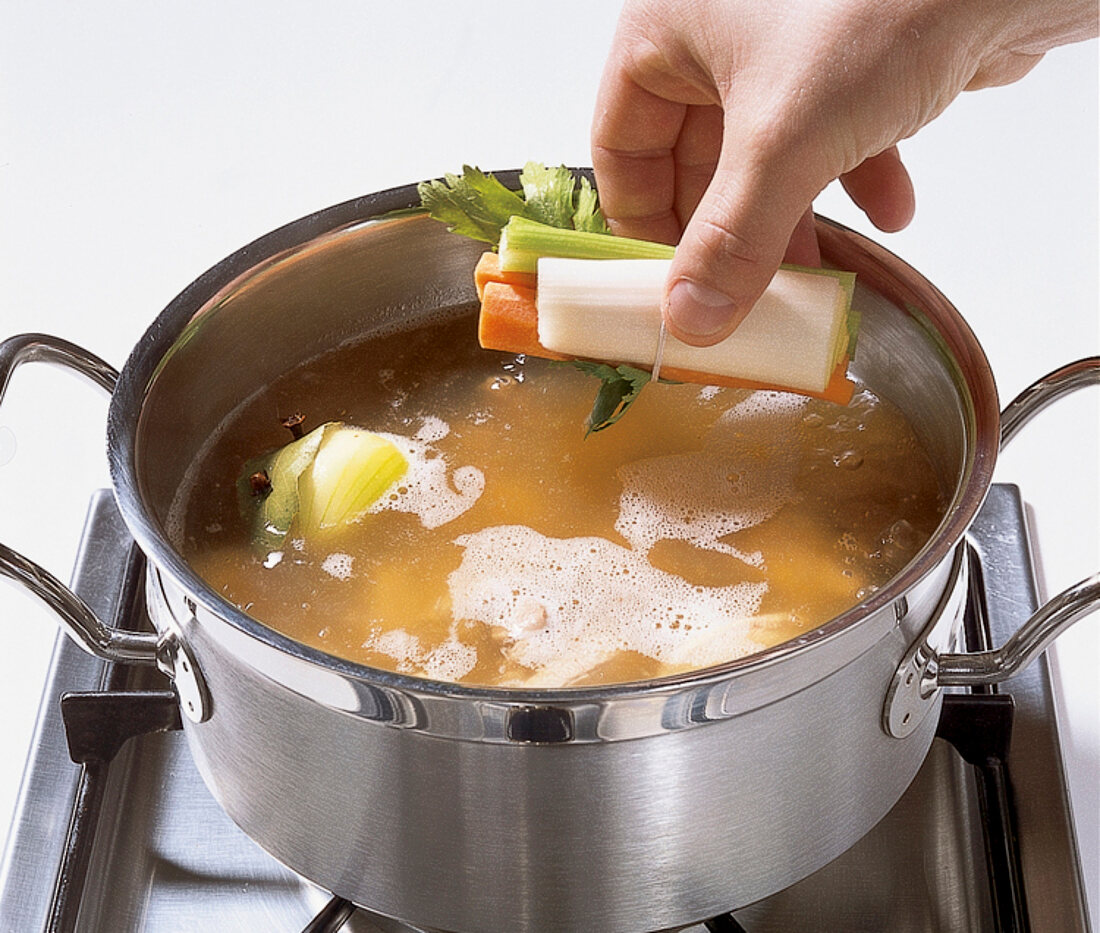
839, 388
509, 322
488, 270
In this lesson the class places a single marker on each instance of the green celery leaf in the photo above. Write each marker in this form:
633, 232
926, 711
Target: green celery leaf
548, 194
477, 205
474, 204
619, 389
587, 215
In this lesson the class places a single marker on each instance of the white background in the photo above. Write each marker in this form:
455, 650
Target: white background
142, 142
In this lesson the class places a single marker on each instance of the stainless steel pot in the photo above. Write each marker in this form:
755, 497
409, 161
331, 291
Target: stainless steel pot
635, 807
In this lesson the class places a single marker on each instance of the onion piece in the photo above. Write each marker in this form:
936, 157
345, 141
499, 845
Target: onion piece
352, 470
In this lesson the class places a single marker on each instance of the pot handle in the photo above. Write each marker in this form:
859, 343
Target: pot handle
1042, 392
1035, 635
982, 668
923, 671
87, 629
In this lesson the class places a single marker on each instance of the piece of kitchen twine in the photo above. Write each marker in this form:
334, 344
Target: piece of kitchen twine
661, 337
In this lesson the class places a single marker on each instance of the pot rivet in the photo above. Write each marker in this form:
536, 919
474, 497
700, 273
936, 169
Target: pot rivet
913, 692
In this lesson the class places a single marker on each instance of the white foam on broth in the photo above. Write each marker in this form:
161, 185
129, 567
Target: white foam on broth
430, 489
732, 487
588, 597
450, 660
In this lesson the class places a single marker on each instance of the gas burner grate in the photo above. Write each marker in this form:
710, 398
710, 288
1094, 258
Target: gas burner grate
332, 917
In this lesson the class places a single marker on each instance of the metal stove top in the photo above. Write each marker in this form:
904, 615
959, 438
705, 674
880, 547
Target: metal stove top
133, 841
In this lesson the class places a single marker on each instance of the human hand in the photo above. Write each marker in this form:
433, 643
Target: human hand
719, 121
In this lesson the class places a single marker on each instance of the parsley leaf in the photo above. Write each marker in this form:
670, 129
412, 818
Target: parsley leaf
477, 205
474, 204
548, 194
619, 389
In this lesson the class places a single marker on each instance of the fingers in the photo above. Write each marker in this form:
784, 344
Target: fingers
695, 158
733, 244
802, 103
882, 188
634, 133
803, 248
657, 129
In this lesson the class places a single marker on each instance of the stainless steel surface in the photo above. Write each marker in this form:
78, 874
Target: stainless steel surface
79, 619
175, 660
37, 836
911, 695
618, 787
1033, 638
1048, 846
42, 348
920, 869
168, 859
923, 669
1042, 392
1061, 611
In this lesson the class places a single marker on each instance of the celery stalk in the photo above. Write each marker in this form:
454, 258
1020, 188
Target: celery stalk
524, 241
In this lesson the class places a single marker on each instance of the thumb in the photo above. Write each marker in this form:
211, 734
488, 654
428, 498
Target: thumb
730, 249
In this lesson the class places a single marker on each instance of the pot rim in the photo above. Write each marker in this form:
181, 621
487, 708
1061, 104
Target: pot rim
887, 274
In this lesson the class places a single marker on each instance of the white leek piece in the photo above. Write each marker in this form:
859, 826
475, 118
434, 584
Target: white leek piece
610, 309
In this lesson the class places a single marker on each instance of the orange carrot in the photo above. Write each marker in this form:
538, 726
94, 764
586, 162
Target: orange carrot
839, 388
488, 270
509, 322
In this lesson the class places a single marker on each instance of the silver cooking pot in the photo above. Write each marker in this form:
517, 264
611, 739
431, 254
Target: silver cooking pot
642, 806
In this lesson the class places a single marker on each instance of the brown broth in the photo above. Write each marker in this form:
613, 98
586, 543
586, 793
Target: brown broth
707, 524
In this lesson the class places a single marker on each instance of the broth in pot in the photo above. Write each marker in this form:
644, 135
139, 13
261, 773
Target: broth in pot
707, 524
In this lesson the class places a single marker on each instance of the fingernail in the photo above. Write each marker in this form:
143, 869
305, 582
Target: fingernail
699, 311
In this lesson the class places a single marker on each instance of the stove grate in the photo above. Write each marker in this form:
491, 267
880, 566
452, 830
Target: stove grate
332, 917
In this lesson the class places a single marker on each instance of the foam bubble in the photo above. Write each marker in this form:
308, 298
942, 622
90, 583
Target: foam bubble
587, 598
430, 489
338, 565
432, 429
451, 660
735, 483
397, 644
